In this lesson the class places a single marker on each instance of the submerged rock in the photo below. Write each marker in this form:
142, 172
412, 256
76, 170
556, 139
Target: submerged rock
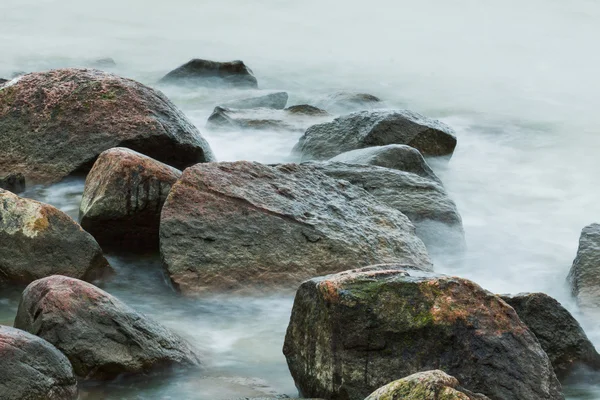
244, 225
306, 109
342, 102
106, 62
39, 240
353, 332
3, 81
394, 156
376, 128
123, 197
584, 276
429, 385
33, 369
213, 73
423, 200
101, 336
55, 123
13, 182
276, 101
291, 119
560, 335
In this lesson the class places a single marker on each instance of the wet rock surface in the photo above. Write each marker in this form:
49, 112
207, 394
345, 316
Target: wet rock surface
39, 240
13, 182
56, 123
33, 369
244, 225
559, 334
101, 336
123, 197
212, 73
341, 102
584, 276
428, 385
276, 101
355, 331
376, 128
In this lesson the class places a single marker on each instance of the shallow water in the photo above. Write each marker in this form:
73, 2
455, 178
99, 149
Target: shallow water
517, 80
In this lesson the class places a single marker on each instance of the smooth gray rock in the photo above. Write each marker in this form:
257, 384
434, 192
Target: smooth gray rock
560, 335
33, 369
423, 200
376, 128
584, 276
245, 226
344, 102
292, 119
394, 156
212, 73
123, 197
353, 332
276, 101
13, 182
101, 336
38, 240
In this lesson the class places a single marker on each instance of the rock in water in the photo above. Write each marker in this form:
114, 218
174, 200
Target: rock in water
423, 200
429, 385
276, 101
39, 240
246, 225
55, 123
33, 369
123, 197
343, 102
14, 182
213, 73
376, 128
295, 118
101, 336
584, 276
393, 156
353, 332
560, 335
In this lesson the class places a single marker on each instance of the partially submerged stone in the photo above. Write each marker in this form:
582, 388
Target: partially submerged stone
101, 336
559, 334
33, 369
277, 101
376, 128
584, 276
123, 197
212, 73
39, 240
243, 226
56, 123
355, 331
13, 182
343, 102
428, 385
292, 119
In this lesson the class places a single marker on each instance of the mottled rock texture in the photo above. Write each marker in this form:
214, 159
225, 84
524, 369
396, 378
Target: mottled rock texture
584, 276
244, 225
38, 240
33, 369
428, 385
376, 128
276, 101
560, 335
343, 102
55, 123
355, 331
101, 336
13, 182
123, 197
213, 73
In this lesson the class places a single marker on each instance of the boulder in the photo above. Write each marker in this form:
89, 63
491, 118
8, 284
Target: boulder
243, 226
3, 81
33, 369
101, 336
559, 334
213, 73
306, 109
428, 385
276, 101
393, 156
39, 240
13, 182
584, 276
292, 119
56, 123
355, 331
343, 102
123, 197
376, 128
423, 200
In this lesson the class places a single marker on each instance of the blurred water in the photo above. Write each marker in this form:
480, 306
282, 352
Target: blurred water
516, 79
